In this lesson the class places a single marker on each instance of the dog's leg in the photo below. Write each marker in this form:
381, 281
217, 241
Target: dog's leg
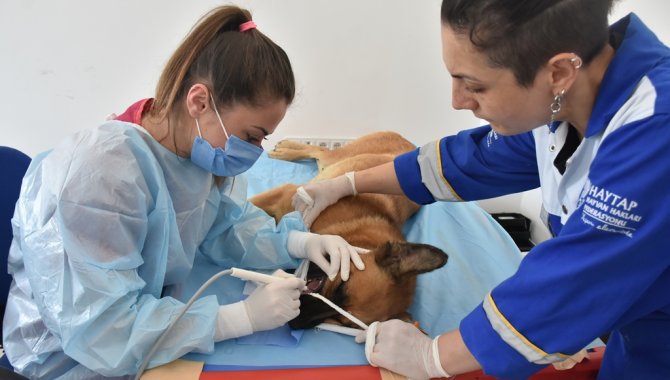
374, 143
289, 150
276, 202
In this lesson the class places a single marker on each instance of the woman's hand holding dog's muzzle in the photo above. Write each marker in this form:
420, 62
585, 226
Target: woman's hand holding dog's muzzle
402, 348
313, 198
315, 248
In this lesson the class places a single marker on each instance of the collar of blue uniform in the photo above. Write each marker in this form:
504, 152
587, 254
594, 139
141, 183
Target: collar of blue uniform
639, 51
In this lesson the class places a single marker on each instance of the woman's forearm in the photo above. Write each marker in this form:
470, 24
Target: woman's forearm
454, 354
380, 179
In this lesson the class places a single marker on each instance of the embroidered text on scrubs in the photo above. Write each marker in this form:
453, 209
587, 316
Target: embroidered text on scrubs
608, 211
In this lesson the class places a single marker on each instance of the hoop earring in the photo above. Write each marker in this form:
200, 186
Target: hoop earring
555, 106
576, 61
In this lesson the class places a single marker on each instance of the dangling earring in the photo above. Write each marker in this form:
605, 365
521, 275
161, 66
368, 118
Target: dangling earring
555, 106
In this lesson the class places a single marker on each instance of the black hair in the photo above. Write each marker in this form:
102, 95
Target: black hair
522, 35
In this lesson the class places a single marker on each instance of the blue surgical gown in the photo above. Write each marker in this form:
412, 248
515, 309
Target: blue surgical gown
107, 224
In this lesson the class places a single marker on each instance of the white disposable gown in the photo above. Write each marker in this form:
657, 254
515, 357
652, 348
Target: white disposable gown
106, 223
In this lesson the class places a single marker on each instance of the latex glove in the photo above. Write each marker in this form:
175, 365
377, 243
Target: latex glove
232, 321
315, 248
571, 361
272, 305
323, 194
267, 307
402, 348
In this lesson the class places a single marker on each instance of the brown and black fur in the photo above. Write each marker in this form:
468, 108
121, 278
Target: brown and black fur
385, 289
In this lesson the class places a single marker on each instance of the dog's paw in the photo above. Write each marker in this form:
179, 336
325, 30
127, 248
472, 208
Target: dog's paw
289, 150
290, 144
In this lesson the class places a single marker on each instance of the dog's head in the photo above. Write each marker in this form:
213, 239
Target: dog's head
383, 291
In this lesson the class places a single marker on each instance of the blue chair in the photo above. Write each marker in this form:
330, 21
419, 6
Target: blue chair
14, 165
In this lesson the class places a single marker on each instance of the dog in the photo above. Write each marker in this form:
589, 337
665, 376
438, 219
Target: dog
385, 289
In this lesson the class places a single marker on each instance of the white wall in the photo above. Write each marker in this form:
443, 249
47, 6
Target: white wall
361, 65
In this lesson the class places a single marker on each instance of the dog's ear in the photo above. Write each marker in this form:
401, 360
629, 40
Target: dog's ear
276, 202
404, 258
312, 312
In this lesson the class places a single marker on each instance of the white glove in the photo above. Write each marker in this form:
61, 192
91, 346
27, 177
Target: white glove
322, 194
232, 321
314, 247
402, 348
267, 307
273, 304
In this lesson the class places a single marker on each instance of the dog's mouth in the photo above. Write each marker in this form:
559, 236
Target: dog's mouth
314, 285
313, 310
316, 279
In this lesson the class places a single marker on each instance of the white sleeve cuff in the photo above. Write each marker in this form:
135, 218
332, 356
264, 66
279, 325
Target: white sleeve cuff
436, 359
232, 321
352, 182
296, 242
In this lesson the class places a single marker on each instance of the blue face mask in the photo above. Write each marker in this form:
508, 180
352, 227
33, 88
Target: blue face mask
235, 158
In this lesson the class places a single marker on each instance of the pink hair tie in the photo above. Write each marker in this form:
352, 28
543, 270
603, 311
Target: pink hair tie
247, 25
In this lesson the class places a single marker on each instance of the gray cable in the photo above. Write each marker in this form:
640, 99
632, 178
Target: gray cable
160, 340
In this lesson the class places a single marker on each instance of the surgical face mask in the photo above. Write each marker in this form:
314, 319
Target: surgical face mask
236, 157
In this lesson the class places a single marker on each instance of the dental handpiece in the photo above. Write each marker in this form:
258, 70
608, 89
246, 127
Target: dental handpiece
254, 276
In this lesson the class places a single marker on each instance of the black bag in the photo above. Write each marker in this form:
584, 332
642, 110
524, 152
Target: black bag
518, 227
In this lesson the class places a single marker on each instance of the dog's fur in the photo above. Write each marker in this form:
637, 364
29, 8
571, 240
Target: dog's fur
385, 289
